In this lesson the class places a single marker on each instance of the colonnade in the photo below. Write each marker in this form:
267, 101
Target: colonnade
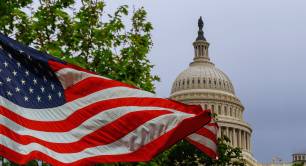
239, 138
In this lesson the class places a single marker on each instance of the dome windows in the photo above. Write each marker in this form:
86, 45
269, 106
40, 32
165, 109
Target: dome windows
219, 109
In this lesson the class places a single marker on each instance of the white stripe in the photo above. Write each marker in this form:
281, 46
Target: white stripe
64, 111
143, 135
90, 125
69, 76
204, 141
213, 129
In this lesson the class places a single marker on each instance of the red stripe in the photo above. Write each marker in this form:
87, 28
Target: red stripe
89, 86
214, 124
81, 115
105, 135
208, 134
56, 66
209, 152
145, 153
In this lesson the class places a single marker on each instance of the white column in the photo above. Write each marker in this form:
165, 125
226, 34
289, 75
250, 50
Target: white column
250, 144
240, 135
239, 138
235, 137
232, 136
246, 141
243, 139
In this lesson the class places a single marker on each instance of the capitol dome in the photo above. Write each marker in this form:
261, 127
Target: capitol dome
202, 76
202, 83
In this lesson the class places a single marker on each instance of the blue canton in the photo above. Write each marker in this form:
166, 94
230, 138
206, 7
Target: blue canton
26, 78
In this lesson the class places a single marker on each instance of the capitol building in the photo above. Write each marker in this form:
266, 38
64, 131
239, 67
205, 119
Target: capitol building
202, 83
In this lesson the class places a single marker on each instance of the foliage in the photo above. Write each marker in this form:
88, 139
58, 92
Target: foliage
298, 164
185, 154
85, 36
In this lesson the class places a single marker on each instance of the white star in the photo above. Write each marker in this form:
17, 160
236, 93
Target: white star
38, 98
17, 89
18, 64
29, 57
23, 81
42, 89
50, 97
45, 79
9, 93
59, 94
52, 86
31, 90
26, 98
14, 73
8, 79
27, 72
5, 64
35, 81
1, 83
10, 56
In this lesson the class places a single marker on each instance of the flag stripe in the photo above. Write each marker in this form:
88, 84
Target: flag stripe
80, 131
73, 92
64, 111
207, 133
110, 149
69, 76
205, 139
212, 129
144, 153
118, 128
74, 120
210, 150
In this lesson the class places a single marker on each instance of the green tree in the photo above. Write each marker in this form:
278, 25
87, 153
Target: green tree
298, 164
185, 154
85, 36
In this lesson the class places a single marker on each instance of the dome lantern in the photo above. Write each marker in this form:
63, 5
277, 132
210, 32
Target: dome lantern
200, 47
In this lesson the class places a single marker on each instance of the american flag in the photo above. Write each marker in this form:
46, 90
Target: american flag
65, 115
205, 139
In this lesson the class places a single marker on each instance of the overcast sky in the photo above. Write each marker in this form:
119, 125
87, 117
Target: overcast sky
259, 44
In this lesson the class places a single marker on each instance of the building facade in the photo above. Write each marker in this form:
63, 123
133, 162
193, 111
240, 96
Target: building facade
202, 83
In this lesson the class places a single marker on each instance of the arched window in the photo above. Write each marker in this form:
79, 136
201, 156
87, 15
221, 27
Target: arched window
219, 109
